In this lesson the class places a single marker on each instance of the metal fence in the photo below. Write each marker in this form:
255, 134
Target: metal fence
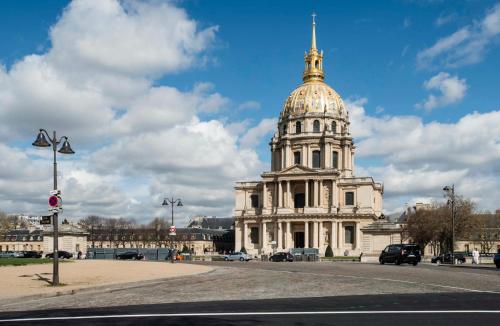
149, 253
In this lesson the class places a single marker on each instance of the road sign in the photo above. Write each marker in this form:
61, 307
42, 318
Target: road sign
46, 220
172, 230
53, 201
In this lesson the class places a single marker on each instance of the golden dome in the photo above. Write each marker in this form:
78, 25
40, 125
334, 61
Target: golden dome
314, 96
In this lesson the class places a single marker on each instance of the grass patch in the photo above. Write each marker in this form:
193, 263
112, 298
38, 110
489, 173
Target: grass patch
25, 261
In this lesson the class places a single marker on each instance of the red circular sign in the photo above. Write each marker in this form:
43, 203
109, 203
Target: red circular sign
53, 201
172, 229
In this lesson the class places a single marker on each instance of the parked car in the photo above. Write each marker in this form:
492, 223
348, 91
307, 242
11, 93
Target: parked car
9, 254
496, 259
238, 256
281, 256
130, 255
31, 254
447, 259
60, 254
400, 253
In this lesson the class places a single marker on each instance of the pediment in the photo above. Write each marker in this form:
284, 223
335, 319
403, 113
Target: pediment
297, 169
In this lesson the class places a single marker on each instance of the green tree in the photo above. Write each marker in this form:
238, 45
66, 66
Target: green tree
185, 249
328, 251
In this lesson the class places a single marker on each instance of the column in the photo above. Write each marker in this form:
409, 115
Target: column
306, 234
320, 235
303, 160
288, 235
315, 193
333, 234
320, 193
264, 195
245, 235
357, 236
280, 236
338, 234
315, 234
282, 150
280, 195
306, 189
288, 195
275, 232
264, 236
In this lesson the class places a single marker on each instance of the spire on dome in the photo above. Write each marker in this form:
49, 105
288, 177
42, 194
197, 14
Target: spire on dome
313, 42
313, 60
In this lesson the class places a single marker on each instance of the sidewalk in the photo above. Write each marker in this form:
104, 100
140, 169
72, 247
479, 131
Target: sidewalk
33, 280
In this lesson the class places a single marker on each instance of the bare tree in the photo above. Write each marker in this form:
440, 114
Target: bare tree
91, 223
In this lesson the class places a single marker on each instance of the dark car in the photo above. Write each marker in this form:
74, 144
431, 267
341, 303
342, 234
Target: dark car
447, 258
281, 256
130, 255
60, 254
31, 254
400, 253
496, 259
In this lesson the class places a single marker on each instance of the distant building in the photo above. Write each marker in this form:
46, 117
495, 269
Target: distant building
71, 239
211, 223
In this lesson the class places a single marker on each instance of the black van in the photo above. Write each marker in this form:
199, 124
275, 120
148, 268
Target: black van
400, 253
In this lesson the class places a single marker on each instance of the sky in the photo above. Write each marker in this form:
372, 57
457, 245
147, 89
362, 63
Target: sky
180, 98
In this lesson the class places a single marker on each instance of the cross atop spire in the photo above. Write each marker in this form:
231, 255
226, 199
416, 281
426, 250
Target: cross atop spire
313, 41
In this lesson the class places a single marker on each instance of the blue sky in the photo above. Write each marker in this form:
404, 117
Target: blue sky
378, 56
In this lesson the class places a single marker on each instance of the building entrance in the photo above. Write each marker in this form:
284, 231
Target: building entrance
298, 240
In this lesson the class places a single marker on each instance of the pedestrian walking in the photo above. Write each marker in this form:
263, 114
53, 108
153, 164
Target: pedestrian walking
475, 256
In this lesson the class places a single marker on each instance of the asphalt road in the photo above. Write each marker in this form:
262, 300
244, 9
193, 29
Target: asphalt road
410, 309
241, 293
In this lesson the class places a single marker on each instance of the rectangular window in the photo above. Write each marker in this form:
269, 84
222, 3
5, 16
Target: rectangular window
296, 157
255, 201
349, 198
254, 235
316, 159
349, 234
335, 160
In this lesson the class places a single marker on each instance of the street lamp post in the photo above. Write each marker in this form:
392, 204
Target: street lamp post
41, 141
450, 192
166, 202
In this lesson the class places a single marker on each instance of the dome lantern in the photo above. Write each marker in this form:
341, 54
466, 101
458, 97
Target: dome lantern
313, 70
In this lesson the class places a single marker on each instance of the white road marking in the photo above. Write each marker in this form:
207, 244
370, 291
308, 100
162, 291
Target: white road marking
392, 280
263, 313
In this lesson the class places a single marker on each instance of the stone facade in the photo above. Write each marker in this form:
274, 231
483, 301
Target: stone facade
311, 198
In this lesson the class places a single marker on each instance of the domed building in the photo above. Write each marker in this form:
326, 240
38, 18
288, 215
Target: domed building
311, 198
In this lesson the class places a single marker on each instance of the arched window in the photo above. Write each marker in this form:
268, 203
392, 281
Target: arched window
298, 127
334, 127
284, 129
316, 159
316, 64
316, 126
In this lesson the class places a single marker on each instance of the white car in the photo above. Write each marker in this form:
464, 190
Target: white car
237, 256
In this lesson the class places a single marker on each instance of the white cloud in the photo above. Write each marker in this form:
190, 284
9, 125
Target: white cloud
407, 22
451, 88
254, 135
416, 159
249, 105
445, 19
465, 46
135, 142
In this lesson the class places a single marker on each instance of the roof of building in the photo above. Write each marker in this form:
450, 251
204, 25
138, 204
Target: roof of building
211, 223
